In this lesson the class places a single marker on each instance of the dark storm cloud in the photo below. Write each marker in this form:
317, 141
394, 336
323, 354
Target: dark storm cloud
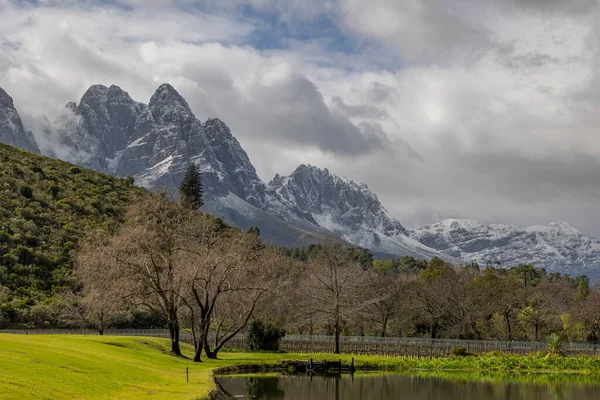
397, 146
293, 109
526, 179
290, 110
380, 93
511, 58
549, 6
357, 110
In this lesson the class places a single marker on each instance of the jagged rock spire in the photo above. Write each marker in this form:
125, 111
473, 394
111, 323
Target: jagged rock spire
12, 131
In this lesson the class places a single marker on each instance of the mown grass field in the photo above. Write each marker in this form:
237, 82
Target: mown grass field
109, 367
116, 367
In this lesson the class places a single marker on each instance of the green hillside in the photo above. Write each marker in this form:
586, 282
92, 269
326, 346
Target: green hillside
46, 205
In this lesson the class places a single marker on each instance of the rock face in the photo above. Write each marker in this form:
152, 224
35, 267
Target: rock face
11, 127
557, 246
110, 132
347, 209
154, 141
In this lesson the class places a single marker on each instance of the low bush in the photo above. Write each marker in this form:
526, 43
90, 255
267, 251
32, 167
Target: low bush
460, 351
264, 336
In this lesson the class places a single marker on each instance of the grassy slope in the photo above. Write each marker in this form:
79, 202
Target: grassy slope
96, 367
46, 205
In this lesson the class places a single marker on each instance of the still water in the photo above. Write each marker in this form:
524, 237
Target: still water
412, 387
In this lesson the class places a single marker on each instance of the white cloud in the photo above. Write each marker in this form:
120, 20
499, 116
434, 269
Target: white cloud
480, 109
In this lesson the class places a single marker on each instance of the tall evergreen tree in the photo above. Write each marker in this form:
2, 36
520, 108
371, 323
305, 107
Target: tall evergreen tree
191, 190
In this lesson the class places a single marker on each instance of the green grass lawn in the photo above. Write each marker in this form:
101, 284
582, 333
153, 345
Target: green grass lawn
105, 367
97, 367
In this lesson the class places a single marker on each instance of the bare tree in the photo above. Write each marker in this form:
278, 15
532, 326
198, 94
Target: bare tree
432, 295
391, 292
94, 310
142, 261
229, 273
333, 289
500, 295
545, 303
587, 312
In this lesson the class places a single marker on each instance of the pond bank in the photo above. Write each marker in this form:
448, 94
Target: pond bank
537, 364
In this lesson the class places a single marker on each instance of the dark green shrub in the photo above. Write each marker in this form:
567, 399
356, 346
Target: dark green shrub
460, 351
31, 240
556, 345
264, 336
4, 237
26, 191
54, 190
75, 170
38, 170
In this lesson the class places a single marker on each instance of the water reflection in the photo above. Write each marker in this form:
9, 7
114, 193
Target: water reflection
419, 386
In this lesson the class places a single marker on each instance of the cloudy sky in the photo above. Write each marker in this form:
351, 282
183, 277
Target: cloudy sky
482, 109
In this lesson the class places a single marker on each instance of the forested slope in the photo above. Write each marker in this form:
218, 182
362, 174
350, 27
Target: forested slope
46, 205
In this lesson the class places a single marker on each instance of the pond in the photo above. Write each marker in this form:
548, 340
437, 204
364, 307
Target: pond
415, 386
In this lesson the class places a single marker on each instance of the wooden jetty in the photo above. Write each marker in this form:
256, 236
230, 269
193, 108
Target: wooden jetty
318, 367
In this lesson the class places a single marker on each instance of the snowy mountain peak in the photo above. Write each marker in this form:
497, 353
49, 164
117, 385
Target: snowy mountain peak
277, 182
96, 94
563, 225
11, 126
99, 99
452, 224
116, 92
217, 130
217, 124
168, 106
331, 186
347, 209
97, 129
557, 246
556, 228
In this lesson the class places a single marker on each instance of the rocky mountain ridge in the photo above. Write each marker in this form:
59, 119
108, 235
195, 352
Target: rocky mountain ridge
557, 246
348, 209
110, 132
11, 126
154, 142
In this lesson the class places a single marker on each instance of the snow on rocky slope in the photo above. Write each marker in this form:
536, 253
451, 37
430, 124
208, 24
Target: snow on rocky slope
110, 132
11, 127
347, 209
557, 246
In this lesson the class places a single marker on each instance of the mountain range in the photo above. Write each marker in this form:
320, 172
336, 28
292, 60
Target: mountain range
110, 132
557, 246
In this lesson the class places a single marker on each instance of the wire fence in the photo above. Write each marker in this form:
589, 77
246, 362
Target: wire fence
422, 347
390, 346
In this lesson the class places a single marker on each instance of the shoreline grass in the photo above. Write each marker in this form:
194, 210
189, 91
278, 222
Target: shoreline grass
101, 367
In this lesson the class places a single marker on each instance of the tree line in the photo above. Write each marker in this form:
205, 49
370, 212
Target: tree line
193, 272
